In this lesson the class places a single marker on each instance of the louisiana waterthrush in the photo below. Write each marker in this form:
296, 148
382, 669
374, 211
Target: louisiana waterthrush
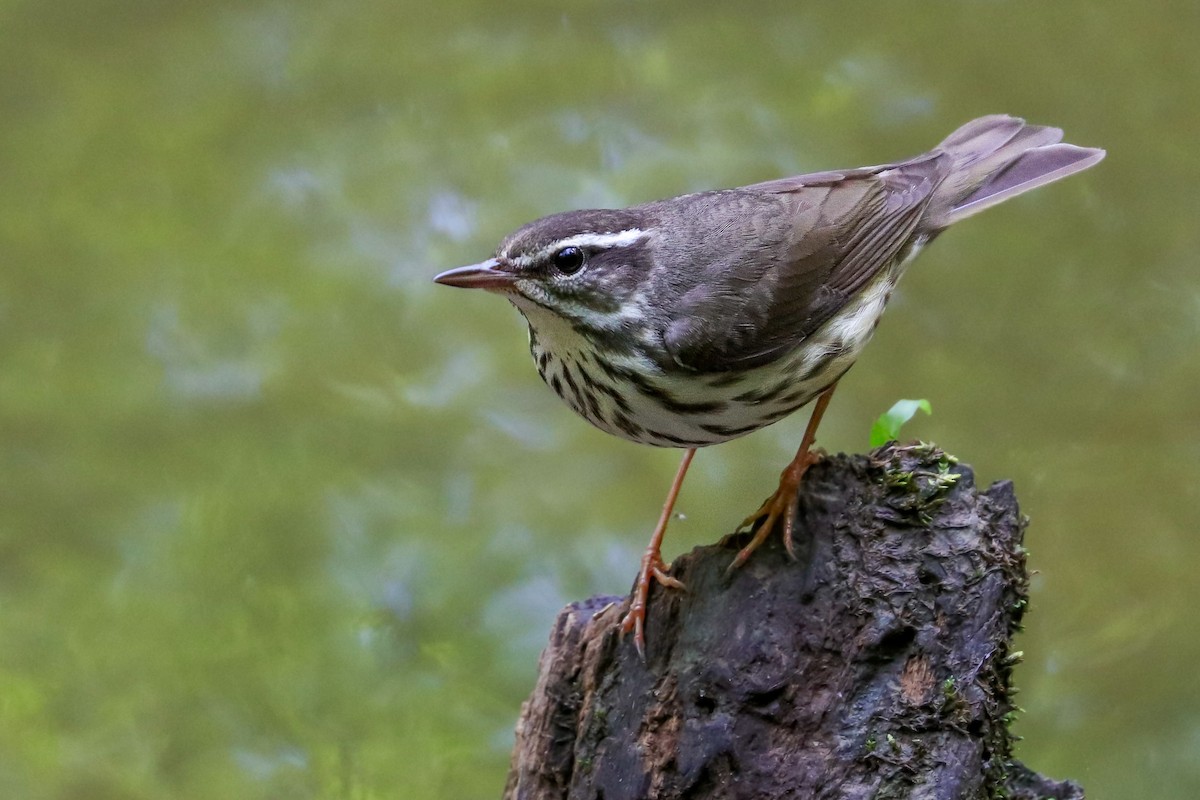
694, 320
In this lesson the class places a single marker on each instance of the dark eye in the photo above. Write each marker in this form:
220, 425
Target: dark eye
569, 260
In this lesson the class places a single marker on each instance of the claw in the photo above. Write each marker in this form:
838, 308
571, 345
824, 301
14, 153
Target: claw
653, 569
784, 503
789, 541
653, 566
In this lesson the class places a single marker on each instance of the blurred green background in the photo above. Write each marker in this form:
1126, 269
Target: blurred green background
280, 518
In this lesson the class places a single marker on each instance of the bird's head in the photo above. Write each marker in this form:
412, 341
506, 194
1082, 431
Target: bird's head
584, 266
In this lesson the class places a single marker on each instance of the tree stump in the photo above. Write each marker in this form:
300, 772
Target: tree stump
876, 665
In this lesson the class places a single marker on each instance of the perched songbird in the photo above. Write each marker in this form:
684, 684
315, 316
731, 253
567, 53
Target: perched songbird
692, 321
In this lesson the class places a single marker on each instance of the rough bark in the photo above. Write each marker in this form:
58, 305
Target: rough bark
876, 665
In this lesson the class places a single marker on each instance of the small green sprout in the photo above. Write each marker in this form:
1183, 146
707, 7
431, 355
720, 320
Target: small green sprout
887, 427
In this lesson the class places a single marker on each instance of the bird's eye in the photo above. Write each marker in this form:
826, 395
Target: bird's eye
569, 260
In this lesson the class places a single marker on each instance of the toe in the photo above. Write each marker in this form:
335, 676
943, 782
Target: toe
635, 621
660, 575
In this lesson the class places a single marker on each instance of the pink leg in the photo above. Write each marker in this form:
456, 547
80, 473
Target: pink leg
783, 502
653, 566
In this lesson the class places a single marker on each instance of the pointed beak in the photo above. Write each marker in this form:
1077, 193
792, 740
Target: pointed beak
488, 274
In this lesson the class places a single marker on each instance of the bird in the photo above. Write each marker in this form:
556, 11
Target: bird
693, 320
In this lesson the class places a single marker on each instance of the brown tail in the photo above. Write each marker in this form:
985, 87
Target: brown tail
999, 157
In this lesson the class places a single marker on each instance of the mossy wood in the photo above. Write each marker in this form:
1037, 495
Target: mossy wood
877, 665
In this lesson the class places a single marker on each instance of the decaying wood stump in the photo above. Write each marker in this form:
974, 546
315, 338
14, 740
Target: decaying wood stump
877, 665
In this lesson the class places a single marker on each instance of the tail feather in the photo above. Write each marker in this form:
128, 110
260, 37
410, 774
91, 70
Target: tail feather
998, 157
1029, 170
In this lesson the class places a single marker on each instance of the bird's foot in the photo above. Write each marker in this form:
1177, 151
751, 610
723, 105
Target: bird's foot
653, 569
781, 506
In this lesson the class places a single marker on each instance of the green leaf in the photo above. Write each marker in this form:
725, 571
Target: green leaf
887, 427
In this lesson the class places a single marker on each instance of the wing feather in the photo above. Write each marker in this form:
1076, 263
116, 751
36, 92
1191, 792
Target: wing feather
845, 227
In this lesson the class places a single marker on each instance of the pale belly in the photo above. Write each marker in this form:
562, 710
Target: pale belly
637, 401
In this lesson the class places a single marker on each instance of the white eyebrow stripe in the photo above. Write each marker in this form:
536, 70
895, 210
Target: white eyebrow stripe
598, 241
594, 241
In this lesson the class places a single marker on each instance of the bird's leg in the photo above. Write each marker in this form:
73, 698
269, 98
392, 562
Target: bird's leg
653, 566
783, 502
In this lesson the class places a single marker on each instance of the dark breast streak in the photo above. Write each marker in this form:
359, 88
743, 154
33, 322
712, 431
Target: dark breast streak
630, 396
